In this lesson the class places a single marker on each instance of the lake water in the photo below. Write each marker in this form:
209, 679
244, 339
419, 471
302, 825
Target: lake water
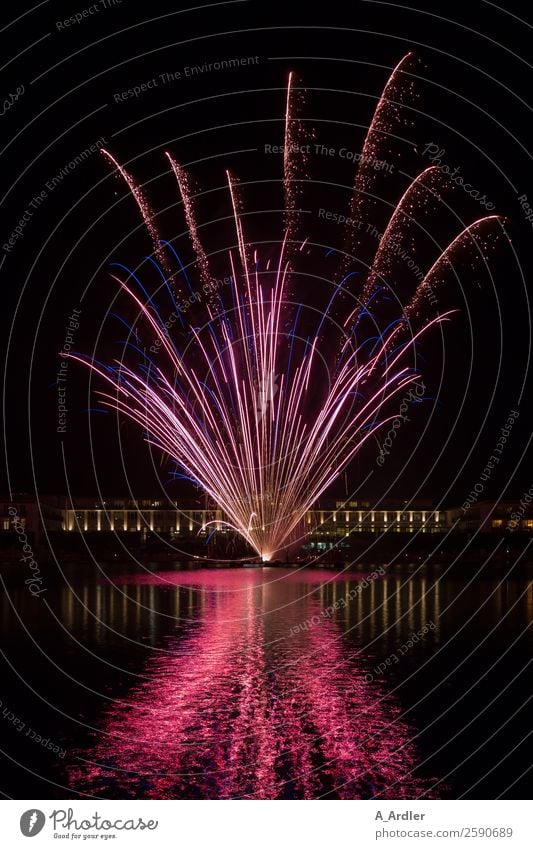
267, 683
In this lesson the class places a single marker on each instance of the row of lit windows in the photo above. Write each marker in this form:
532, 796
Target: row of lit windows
133, 520
318, 515
385, 516
199, 521
91, 520
523, 523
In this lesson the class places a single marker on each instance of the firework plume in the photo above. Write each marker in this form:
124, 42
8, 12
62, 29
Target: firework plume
260, 411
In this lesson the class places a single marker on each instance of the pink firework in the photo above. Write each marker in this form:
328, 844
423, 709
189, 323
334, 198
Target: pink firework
259, 413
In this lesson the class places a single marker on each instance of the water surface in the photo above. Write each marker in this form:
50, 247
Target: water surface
269, 683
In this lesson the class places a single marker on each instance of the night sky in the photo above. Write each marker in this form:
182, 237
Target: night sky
66, 87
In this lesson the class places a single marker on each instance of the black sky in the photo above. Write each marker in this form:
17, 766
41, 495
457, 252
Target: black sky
473, 85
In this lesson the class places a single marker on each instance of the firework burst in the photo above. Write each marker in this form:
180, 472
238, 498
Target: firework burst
260, 413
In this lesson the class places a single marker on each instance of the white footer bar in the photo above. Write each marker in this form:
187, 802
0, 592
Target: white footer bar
241, 824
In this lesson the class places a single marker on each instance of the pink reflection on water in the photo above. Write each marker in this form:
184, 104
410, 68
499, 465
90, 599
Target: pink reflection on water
242, 707
239, 579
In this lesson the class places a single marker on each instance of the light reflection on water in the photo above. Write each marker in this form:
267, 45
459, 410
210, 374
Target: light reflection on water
242, 703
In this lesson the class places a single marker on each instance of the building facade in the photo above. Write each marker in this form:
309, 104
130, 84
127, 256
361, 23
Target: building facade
488, 516
325, 521
337, 519
32, 514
